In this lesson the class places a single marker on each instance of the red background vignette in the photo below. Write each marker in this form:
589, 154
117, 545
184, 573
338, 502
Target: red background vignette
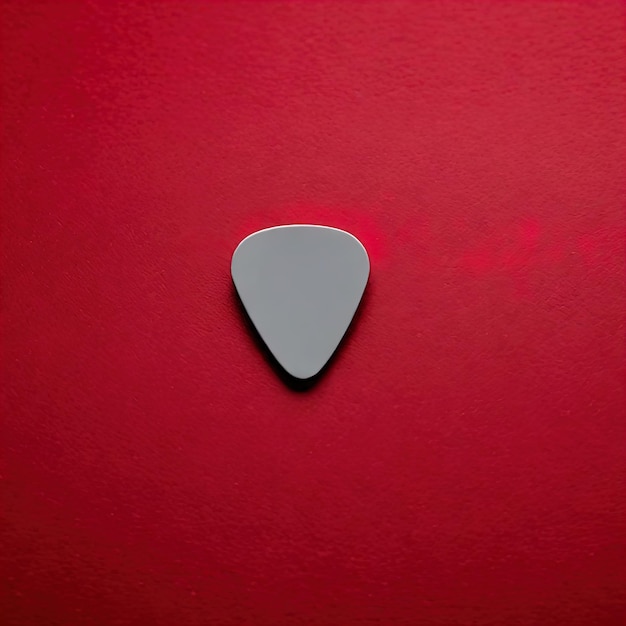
463, 460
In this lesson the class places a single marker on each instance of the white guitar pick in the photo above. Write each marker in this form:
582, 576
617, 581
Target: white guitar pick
301, 286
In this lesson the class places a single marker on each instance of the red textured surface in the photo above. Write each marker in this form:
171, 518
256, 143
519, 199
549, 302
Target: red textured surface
463, 460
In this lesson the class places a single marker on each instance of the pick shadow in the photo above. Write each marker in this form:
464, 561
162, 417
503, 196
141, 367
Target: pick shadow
295, 384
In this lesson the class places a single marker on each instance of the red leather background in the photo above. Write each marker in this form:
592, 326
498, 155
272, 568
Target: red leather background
463, 460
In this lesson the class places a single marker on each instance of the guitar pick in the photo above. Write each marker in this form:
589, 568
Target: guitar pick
301, 285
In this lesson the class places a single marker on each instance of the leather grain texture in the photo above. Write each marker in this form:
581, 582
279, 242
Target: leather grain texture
461, 462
